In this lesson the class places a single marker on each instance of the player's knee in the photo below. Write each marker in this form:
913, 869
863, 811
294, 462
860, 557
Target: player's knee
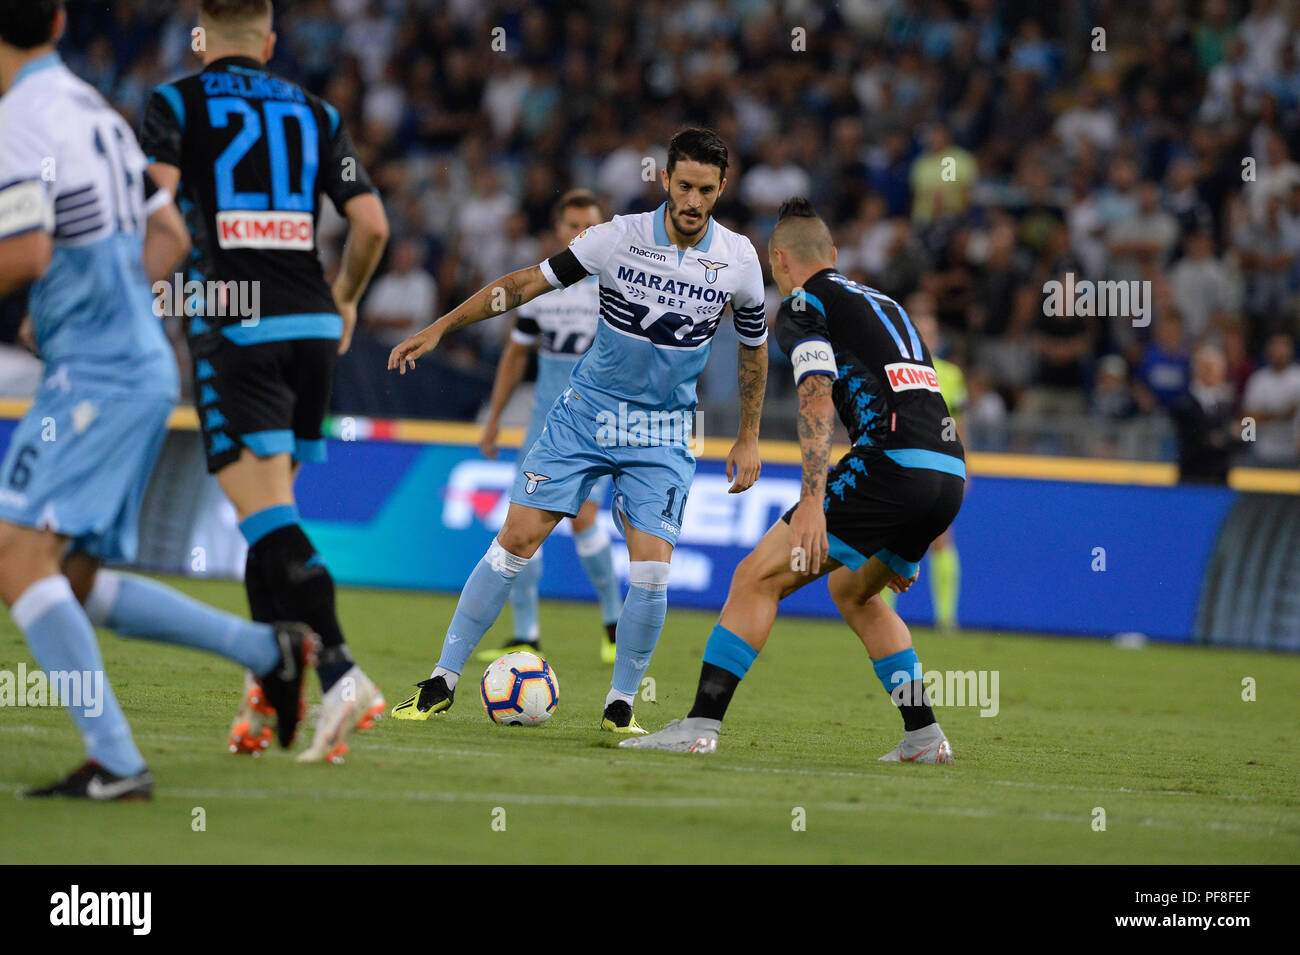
520, 541
753, 576
848, 592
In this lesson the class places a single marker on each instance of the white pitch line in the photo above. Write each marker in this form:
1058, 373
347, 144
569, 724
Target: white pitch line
369, 743
646, 802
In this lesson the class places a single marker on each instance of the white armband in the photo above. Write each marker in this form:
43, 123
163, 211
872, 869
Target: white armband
813, 356
25, 207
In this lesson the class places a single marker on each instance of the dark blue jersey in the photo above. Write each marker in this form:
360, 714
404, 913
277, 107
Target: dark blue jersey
256, 154
886, 391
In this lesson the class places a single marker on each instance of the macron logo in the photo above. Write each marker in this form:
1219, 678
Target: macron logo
133, 909
905, 377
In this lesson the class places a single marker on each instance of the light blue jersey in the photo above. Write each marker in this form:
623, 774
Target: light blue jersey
561, 326
629, 408
80, 459
659, 308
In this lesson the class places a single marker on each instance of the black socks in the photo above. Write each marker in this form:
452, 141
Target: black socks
914, 703
717, 686
287, 580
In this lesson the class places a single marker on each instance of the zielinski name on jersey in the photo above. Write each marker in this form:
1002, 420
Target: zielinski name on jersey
280, 231
905, 376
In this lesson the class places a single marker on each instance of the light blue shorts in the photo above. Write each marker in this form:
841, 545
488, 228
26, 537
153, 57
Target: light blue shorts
563, 466
79, 464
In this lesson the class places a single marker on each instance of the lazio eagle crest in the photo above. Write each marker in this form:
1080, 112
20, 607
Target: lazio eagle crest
711, 270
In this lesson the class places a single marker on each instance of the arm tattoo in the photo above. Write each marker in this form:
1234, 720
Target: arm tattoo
816, 429
501, 296
753, 384
514, 291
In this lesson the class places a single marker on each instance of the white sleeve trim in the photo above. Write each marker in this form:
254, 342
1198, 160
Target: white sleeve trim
522, 338
549, 275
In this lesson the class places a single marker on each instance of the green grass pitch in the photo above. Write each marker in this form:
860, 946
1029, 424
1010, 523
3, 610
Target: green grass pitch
1159, 738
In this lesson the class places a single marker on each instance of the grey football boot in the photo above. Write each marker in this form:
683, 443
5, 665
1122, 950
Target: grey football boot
926, 745
696, 735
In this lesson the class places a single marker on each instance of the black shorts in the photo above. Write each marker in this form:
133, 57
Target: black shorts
882, 509
270, 397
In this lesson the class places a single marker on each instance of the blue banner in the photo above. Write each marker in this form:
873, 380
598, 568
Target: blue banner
1036, 555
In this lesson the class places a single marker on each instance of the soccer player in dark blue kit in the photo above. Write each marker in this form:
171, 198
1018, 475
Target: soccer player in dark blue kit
867, 521
252, 155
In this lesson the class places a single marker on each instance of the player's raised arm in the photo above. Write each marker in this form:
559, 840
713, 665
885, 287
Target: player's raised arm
584, 256
509, 291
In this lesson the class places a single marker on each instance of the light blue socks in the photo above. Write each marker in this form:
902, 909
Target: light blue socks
138, 607
481, 602
63, 643
639, 626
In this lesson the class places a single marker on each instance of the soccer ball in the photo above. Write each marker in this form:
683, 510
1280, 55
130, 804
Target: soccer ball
519, 689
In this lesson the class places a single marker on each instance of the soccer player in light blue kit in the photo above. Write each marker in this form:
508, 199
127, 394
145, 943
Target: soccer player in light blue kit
560, 326
666, 278
79, 222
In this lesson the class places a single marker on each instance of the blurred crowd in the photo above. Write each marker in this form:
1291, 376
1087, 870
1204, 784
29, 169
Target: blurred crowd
966, 153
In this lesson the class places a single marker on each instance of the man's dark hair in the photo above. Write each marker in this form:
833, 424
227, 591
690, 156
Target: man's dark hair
580, 198
698, 145
235, 10
796, 206
28, 23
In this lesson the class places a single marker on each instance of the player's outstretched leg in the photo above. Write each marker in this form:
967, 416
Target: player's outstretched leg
481, 602
62, 640
597, 557
889, 643
276, 654
760, 582
524, 599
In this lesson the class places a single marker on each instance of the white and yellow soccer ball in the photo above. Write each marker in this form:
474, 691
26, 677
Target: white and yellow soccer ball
519, 689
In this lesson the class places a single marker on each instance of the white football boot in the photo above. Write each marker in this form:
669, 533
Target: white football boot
353, 703
696, 735
926, 745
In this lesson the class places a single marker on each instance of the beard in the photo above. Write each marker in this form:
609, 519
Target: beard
686, 227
